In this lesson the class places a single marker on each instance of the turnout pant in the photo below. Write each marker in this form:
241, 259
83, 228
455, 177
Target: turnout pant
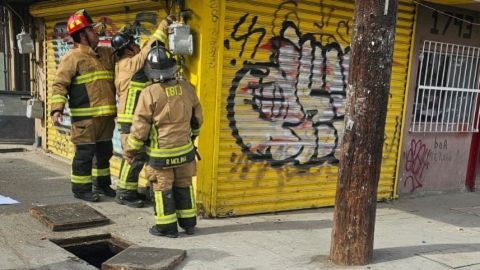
92, 138
129, 173
173, 196
91, 165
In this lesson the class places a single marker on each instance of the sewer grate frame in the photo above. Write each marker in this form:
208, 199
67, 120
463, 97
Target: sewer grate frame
143, 258
41, 213
115, 244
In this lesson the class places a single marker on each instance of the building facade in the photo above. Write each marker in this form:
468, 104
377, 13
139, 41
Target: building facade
441, 109
272, 78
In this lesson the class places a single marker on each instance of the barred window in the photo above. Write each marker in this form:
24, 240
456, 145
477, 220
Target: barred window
447, 89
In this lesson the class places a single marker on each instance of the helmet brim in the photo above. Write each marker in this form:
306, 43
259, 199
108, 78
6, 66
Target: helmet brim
160, 74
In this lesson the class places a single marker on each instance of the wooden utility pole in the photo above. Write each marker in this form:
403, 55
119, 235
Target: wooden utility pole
361, 155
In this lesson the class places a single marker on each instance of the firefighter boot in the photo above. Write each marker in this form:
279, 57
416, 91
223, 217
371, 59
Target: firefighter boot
155, 230
87, 196
190, 230
105, 190
129, 198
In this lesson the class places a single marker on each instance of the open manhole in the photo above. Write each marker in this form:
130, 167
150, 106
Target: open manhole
94, 249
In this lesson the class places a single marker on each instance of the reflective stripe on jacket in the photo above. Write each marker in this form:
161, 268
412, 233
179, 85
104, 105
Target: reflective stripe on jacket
86, 77
164, 116
130, 79
125, 114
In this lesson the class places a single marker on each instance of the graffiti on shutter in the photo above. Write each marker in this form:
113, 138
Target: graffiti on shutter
298, 95
284, 90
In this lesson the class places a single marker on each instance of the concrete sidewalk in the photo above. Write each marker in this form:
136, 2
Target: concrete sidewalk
431, 232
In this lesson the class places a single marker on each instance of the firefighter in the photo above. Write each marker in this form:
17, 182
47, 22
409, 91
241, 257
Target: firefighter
168, 116
84, 80
129, 82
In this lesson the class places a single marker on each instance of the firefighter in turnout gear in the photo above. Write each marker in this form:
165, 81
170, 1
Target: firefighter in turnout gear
168, 117
130, 80
84, 80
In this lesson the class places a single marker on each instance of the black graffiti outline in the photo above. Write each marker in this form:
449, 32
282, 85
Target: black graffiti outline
255, 70
345, 25
247, 35
324, 23
286, 17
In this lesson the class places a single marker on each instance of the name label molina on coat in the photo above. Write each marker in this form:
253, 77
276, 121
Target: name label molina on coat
176, 161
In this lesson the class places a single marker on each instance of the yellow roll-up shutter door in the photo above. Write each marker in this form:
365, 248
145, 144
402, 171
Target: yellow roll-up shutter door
57, 9
285, 70
145, 14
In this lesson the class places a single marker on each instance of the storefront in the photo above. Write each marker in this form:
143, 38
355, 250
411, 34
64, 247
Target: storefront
442, 105
274, 88
272, 79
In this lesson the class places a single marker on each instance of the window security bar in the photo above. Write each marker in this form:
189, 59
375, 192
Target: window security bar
446, 96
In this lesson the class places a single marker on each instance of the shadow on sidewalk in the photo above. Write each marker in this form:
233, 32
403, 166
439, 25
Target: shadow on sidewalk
456, 208
383, 255
268, 226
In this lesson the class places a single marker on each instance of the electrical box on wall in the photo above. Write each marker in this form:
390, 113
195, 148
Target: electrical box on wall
180, 40
34, 108
25, 43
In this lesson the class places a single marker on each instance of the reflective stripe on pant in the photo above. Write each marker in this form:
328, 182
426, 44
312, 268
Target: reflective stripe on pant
178, 182
129, 174
101, 164
165, 214
91, 160
185, 205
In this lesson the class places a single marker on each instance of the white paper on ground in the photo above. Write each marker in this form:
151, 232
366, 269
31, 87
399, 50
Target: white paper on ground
7, 200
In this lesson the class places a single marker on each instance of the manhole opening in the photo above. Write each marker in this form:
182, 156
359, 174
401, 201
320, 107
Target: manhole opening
94, 249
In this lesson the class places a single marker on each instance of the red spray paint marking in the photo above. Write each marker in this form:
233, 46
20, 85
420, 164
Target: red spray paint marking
416, 162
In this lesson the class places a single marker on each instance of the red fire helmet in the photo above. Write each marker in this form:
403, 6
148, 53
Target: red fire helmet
78, 21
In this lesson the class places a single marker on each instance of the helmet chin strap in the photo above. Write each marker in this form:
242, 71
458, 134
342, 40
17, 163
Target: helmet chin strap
88, 41
90, 44
166, 80
131, 51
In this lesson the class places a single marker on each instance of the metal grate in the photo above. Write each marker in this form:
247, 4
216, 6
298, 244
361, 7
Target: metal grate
446, 97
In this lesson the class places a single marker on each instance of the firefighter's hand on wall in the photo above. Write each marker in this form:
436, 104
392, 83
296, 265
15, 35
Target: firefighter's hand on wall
57, 118
163, 26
